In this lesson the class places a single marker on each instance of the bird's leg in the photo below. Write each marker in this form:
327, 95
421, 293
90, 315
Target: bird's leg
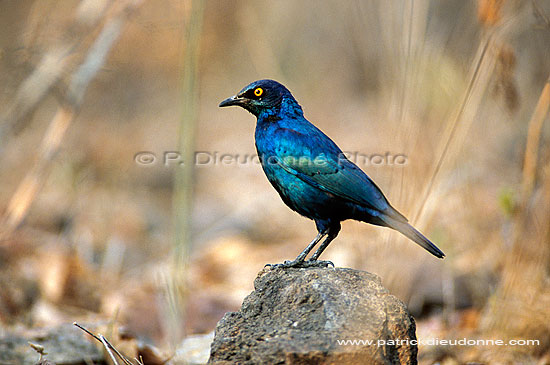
300, 260
302, 256
332, 232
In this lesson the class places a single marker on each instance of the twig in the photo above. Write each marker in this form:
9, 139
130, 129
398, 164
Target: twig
39, 349
106, 344
86, 330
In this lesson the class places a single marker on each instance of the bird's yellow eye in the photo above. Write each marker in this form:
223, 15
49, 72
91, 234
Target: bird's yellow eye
258, 91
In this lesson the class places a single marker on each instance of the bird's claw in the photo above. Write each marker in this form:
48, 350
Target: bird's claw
300, 264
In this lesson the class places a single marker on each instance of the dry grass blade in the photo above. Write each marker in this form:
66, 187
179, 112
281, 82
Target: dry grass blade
34, 89
454, 125
524, 273
479, 80
29, 187
264, 57
49, 70
405, 87
184, 177
519, 307
489, 12
65, 115
541, 14
533, 139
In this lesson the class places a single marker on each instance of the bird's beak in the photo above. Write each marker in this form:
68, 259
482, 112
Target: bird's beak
234, 100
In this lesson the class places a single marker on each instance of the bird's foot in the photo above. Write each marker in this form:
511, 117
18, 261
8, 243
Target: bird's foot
300, 264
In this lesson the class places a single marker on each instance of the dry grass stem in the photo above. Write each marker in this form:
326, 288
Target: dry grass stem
182, 202
108, 347
65, 115
533, 140
50, 69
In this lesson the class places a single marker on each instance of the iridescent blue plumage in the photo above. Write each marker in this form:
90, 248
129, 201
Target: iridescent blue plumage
310, 172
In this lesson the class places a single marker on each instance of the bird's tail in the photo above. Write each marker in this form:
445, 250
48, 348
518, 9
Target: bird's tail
411, 232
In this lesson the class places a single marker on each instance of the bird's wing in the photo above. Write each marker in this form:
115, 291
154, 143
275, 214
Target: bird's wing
319, 162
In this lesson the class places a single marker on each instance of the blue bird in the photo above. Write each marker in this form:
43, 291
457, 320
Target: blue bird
311, 173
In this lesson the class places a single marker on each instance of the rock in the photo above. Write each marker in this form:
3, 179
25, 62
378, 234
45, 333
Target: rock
193, 350
64, 344
299, 316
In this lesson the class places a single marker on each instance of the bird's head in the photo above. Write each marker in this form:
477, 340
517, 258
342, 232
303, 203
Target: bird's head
262, 96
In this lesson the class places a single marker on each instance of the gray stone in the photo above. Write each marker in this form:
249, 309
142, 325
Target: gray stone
300, 316
65, 344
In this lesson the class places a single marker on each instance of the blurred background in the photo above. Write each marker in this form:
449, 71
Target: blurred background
116, 204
